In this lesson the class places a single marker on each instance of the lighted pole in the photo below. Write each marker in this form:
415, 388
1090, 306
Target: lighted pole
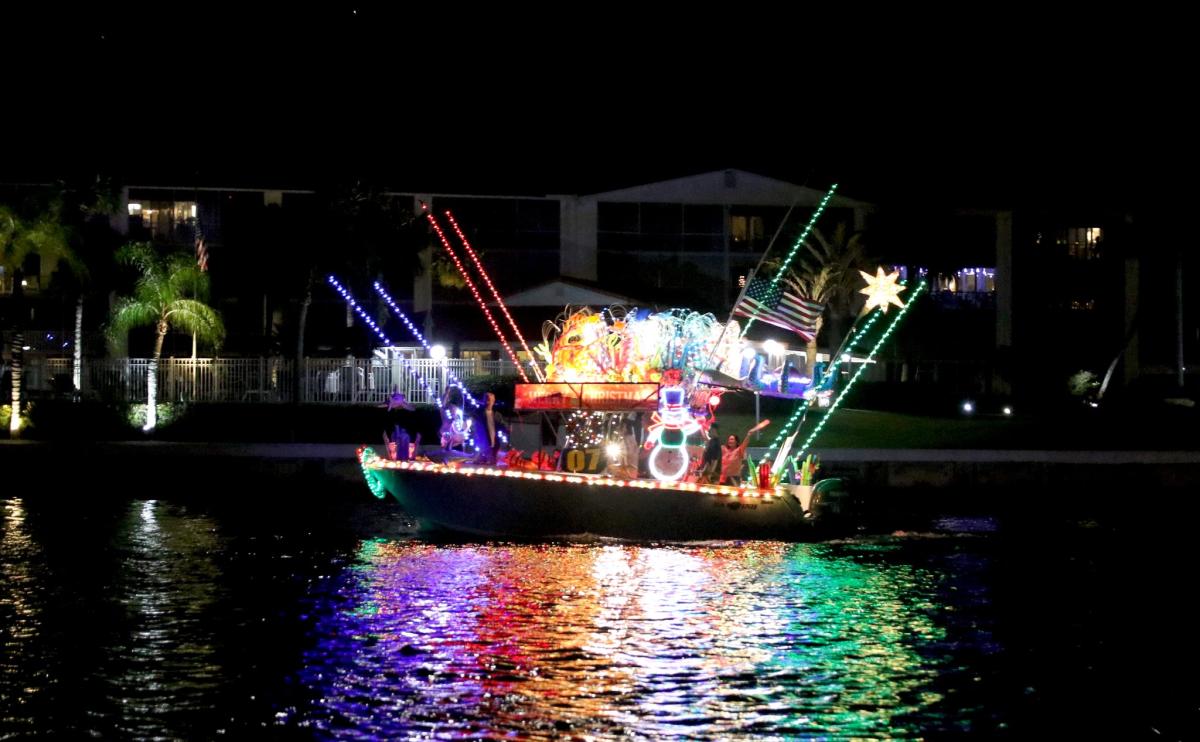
495, 294
462, 270
795, 249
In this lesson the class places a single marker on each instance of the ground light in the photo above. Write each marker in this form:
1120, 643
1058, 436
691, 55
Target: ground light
968, 407
1007, 410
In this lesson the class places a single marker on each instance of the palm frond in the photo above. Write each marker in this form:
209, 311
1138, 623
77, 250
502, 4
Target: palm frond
197, 317
140, 255
162, 293
186, 278
128, 314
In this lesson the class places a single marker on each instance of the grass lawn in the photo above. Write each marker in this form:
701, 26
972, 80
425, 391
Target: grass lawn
1084, 429
1145, 427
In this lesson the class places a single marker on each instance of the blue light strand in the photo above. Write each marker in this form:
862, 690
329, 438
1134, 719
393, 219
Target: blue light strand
453, 380
371, 323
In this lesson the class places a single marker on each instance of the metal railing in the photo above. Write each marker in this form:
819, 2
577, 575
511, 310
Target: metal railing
322, 380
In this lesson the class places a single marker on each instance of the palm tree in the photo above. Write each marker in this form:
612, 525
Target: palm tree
827, 273
43, 234
93, 202
170, 291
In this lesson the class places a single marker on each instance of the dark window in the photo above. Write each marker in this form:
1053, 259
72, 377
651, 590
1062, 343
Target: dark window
617, 218
703, 220
504, 223
703, 242
662, 219
537, 216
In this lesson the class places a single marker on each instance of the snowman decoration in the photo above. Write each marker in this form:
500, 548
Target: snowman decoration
670, 426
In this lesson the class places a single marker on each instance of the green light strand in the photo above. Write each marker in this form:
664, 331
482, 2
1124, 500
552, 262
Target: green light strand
795, 249
855, 335
878, 344
373, 482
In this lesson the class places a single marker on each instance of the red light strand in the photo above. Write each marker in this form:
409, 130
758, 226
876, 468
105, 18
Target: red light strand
462, 270
488, 280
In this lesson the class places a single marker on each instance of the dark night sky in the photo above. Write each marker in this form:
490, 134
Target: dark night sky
442, 99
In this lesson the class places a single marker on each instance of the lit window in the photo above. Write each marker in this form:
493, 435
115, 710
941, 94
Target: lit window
166, 220
742, 281
745, 228
737, 228
1081, 243
965, 281
181, 211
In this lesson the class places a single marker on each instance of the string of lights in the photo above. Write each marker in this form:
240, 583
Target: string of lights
862, 367
800, 413
503, 307
345, 293
795, 249
462, 270
372, 462
450, 377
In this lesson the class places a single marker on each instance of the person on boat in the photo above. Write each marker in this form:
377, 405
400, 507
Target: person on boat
455, 428
486, 431
733, 456
393, 411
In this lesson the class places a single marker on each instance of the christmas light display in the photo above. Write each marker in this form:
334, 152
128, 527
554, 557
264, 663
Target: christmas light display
631, 346
672, 424
345, 293
462, 270
456, 429
862, 367
779, 274
372, 462
584, 429
496, 294
451, 379
843, 355
881, 290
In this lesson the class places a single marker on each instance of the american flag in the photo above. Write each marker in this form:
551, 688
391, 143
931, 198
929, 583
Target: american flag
201, 249
776, 306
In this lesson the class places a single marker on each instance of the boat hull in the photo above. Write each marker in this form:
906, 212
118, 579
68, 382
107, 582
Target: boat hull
498, 503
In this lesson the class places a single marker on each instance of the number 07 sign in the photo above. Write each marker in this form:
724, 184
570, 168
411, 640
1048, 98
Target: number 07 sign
584, 460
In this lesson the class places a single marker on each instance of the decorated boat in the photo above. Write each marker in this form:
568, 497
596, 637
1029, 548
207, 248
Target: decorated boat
632, 395
493, 501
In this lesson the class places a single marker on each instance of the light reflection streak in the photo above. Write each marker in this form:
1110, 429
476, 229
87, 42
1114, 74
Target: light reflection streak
21, 609
709, 640
168, 586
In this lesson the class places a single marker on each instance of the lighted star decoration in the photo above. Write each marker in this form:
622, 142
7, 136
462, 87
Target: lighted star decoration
882, 290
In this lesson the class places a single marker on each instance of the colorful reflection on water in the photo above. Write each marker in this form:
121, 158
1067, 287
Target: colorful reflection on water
757, 639
202, 619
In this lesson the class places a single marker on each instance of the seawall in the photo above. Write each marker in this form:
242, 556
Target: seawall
158, 463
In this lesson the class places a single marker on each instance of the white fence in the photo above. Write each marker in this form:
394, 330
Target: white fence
328, 380
365, 380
